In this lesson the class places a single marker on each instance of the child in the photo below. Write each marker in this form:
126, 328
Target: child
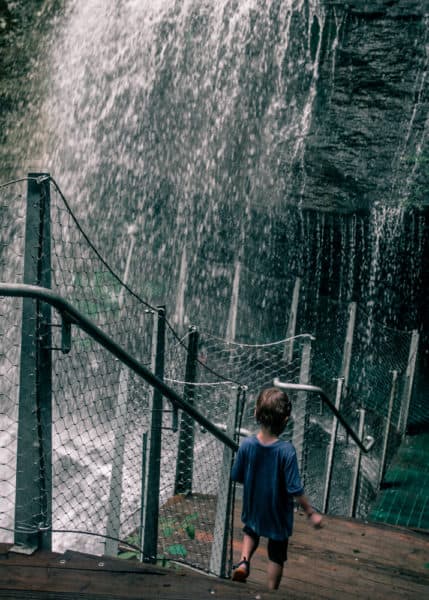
268, 469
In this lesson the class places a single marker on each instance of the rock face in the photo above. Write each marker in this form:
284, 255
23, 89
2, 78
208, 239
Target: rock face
355, 94
386, 8
23, 28
369, 141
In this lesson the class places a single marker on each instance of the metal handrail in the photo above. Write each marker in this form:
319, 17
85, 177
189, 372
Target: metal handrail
72, 316
302, 387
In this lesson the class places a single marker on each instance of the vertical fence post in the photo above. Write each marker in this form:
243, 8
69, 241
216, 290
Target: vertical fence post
113, 525
231, 326
185, 451
356, 470
331, 449
115, 494
143, 492
300, 413
179, 314
387, 428
291, 328
347, 350
33, 501
151, 486
348, 345
219, 551
409, 380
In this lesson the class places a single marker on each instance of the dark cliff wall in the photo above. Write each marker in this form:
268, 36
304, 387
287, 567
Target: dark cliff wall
369, 140
23, 28
386, 8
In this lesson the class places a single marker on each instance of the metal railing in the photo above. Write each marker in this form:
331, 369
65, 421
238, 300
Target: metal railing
33, 506
365, 446
72, 316
109, 392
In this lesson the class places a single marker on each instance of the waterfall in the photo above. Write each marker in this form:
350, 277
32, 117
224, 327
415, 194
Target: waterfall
242, 132
251, 143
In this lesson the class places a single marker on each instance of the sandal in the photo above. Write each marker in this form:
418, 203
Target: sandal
241, 571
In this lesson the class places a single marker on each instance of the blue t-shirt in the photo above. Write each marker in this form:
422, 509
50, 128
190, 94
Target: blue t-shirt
270, 477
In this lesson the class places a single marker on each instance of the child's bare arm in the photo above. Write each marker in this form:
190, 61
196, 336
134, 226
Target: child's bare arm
314, 516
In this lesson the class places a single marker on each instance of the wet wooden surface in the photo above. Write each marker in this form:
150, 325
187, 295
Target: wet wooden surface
346, 559
351, 559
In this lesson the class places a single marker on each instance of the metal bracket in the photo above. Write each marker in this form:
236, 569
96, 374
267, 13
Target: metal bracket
66, 335
42, 178
174, 418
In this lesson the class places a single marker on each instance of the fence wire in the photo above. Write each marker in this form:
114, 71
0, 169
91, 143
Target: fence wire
102, 411
12, 230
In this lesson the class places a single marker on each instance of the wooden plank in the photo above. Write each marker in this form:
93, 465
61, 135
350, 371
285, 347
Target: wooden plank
185, 585
346, 559
87, 575
370, 540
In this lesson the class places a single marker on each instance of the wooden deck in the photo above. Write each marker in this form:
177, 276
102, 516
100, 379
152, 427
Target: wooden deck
345, 560
348, 559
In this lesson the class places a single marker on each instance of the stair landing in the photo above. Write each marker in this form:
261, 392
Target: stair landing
345, 559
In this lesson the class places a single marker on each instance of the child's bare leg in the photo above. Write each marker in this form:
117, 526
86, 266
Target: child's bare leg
248, 547
274, 572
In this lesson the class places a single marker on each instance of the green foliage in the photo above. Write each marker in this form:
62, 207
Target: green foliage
134, 553
128, 555
177, 550
190, 530
169, 527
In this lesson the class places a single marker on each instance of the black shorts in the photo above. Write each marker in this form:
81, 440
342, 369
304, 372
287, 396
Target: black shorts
276, 549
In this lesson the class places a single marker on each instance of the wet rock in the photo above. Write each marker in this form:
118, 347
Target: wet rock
371, 110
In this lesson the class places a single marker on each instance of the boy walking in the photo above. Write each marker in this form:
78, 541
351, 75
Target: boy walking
268, 469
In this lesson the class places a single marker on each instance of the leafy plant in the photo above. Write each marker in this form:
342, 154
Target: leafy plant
169, 526
132, 540
177, 550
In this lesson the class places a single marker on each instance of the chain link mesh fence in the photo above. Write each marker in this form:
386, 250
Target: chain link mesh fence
102, 411
12, 230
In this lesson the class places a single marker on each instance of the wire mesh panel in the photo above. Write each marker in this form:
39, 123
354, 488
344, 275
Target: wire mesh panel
9, 360
380, 353
12, 228
194, 484
101, 410
187, 519
102, 413
256, 367
105, 420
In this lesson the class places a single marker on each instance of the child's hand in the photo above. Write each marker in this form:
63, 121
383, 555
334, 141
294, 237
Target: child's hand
316, 520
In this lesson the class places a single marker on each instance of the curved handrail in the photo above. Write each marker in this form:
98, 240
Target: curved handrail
302, 387
72, 315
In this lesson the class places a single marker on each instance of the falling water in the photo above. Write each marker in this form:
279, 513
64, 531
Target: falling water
198, 121
237, 137
188, 108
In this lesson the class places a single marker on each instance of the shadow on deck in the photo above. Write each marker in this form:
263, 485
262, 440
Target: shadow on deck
346, 559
